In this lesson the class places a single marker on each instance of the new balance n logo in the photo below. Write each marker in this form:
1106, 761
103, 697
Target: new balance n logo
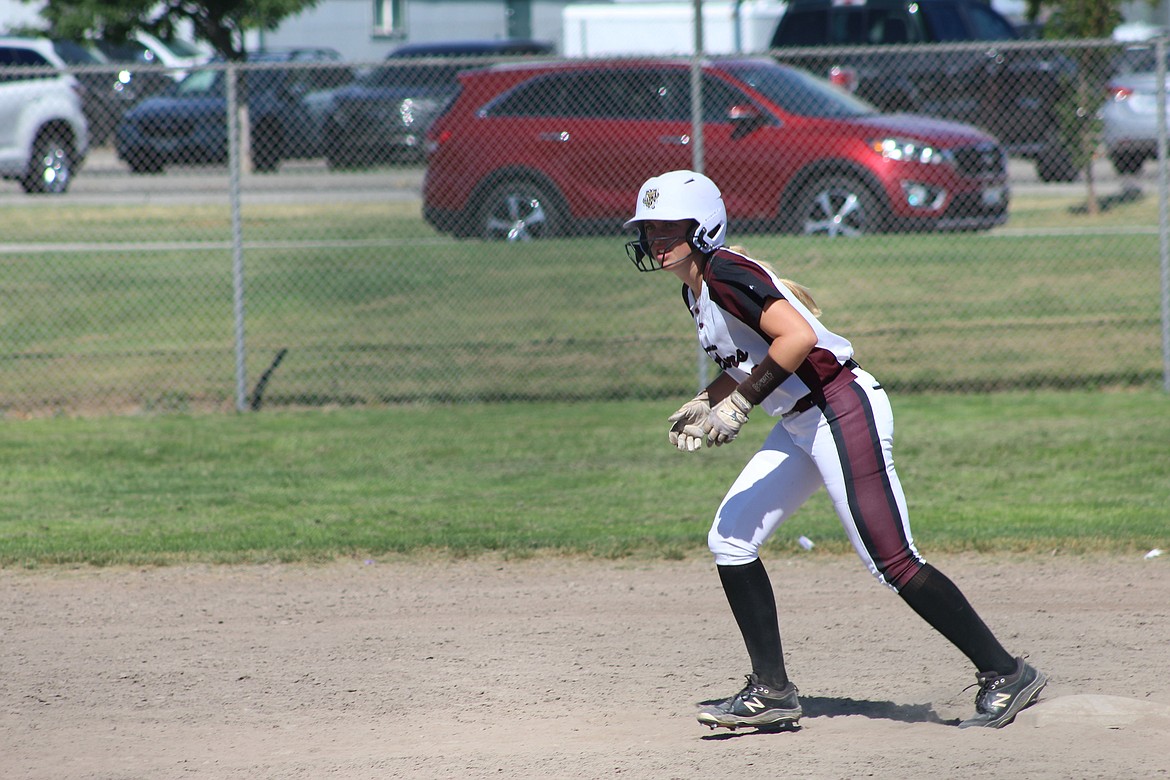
1001, 700
753, 704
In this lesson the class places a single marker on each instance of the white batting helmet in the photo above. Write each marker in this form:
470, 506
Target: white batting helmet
680, 195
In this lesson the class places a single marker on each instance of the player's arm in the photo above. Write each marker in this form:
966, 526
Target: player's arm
792, 340
792, 337
721, 387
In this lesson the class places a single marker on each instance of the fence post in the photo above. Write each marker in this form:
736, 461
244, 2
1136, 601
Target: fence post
697, 152
234, 157
1163, 207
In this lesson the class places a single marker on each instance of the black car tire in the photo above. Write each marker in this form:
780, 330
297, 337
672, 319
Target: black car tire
519, 210
838, 205
1127, 163
50, 168
266, 145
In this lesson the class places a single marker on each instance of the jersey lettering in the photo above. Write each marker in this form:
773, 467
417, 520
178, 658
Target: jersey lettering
726, 362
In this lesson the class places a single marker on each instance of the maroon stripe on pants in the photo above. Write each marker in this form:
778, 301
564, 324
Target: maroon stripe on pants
867, 485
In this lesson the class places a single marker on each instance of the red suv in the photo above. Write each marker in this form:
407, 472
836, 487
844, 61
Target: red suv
554, 148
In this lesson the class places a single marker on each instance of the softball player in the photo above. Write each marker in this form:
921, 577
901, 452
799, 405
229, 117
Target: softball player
835, 429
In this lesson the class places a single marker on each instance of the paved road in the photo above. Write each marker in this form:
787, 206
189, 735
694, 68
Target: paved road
106, 180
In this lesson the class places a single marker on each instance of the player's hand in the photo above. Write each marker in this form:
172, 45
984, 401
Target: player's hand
727, 418
687, 429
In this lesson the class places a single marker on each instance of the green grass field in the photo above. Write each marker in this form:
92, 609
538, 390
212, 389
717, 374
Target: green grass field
1010, 472
130, 310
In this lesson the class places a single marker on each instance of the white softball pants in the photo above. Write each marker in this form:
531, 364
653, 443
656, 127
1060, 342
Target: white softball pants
846, 445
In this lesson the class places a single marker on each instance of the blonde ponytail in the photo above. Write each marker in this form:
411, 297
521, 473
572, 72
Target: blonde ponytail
803, 295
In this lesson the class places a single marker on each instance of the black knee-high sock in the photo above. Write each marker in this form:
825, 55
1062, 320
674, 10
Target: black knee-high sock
749, 593
941, 604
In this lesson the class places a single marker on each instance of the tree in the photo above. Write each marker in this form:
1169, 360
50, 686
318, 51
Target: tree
1078, 115
222, 23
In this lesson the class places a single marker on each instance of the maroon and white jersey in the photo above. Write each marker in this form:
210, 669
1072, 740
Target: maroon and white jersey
735, 290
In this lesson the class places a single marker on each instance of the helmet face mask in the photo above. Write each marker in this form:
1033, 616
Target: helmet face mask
642, 251
678, 196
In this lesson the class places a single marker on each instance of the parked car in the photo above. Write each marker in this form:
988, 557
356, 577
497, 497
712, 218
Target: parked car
43, 131
385, 114
106, 90
871, 47
187, 125
529, 151
1130, 113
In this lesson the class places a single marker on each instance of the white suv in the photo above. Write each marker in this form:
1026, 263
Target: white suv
43, 132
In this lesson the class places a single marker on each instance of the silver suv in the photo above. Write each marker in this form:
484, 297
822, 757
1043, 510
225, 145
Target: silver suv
43, 132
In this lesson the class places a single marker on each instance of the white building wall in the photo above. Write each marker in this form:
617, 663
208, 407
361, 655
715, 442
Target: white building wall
345, 25
348, 25
14, 13
667, 28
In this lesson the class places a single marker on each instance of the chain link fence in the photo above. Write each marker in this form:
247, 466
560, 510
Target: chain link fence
305, 256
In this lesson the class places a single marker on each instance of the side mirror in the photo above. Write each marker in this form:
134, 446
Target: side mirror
745, 117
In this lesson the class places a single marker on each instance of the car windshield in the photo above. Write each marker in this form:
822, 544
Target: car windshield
75, 53
126, 52
200, 82
799, 92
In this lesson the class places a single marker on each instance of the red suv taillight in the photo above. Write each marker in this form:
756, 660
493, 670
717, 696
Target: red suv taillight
436, 139
845, 78
1117, 94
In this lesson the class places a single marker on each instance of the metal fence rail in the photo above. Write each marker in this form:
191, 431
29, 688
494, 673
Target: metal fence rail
197, 264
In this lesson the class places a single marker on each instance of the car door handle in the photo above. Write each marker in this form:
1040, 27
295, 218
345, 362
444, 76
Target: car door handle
674, 140
560, 138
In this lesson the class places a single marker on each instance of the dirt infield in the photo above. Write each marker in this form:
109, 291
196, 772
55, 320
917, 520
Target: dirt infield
563, 669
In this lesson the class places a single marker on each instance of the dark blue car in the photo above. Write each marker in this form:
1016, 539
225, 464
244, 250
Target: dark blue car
384, 115
187, 125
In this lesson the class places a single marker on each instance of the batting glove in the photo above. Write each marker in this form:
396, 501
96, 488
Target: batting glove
727, 418
687, 431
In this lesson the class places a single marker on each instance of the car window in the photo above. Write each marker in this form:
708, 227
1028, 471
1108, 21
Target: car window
605, 96
541, 96
651, 94
1136, 59
22, 58
988, 26
257, 82
75, 54
129, 51
317, 79
803, 28
945, 23
201, 83
610, 94
890, 27
847, 26
718, 99
424, 76
798, 92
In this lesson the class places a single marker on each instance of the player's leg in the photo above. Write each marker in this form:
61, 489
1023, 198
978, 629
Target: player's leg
853, 449
851, 445
773, 485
